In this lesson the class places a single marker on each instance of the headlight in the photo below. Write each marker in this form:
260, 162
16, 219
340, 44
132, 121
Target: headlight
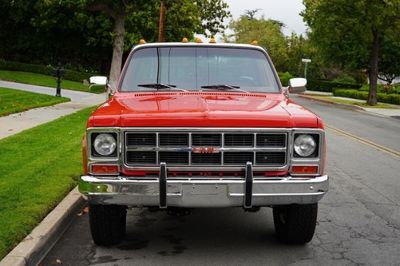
105, 144
304, 145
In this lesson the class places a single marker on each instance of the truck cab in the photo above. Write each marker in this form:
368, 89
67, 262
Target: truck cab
203, 125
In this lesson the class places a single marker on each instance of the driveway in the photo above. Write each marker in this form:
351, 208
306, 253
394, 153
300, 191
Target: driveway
15, 123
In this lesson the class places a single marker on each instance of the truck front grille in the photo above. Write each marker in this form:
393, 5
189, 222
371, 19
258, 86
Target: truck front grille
200, 149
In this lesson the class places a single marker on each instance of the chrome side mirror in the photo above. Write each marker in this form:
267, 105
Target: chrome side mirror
109, 87
98, 80
297, 85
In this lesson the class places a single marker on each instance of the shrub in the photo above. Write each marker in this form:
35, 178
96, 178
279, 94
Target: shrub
393, 89
363, 95
284, 77
327, 86
345, 78
45, 70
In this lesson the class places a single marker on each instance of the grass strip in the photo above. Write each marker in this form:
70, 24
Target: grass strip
48, 81
38, 167
15, 101
351, 102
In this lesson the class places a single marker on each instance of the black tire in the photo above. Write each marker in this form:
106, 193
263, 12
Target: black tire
295, 224
107, 224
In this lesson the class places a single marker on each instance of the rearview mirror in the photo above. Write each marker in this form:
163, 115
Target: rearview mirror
297, 85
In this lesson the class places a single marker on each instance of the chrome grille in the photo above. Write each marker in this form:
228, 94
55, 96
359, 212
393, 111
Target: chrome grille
239, 140
271, 140
141, 157
206, 149
206, 140
174, 158
174, 140
141, 140
240, 158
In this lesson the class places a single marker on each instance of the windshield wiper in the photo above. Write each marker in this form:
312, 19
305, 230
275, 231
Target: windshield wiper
223, 87
159, 86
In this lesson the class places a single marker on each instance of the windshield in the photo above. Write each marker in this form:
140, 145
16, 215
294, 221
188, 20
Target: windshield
192, 68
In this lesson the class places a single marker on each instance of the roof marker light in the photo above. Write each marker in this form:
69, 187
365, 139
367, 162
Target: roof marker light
142, 41
184, 40
212, 40
198, 40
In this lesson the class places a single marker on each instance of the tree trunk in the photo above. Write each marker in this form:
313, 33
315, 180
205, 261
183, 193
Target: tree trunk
161, 36
118, 49
373, 71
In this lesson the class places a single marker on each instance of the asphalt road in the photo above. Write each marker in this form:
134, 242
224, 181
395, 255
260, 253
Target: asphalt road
358, 222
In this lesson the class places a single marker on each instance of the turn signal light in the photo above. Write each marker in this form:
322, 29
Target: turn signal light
304, 169
104, 169
254, 42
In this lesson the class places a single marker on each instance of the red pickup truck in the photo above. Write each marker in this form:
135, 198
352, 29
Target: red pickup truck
203, 125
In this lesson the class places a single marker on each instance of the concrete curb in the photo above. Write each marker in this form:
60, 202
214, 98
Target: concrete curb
38, 243
350, 106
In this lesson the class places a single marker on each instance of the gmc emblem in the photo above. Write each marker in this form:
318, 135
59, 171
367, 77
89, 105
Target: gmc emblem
205, 150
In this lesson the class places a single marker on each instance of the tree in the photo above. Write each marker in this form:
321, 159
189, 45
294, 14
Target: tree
389, 60
117, 11
90, 34
267, 32
207, 15
299, 47
351, 32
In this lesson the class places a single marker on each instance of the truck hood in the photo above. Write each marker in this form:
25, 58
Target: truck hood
201, 109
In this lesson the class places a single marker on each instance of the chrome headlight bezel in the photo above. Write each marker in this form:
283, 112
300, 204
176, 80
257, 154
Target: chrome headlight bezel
306, 145
109, 137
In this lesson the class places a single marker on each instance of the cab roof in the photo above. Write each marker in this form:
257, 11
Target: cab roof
194, 44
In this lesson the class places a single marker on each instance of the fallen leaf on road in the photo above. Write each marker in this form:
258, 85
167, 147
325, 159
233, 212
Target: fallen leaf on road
83, 211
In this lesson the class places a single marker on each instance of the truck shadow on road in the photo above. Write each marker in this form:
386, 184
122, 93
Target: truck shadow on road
206, 236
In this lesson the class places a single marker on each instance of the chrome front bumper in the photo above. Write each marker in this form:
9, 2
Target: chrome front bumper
205, 192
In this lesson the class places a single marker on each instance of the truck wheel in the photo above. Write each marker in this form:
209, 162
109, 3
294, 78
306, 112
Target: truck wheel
107, 224
295, 224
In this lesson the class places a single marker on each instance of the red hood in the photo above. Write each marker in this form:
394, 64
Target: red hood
201, 109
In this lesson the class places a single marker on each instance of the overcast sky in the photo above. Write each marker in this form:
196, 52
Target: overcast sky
286, 11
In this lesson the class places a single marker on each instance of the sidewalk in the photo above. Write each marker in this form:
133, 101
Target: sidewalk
15, 123
395, 112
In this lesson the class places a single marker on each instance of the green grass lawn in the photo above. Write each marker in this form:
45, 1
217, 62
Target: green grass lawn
48, 81
38, 167
15, 101
361, 104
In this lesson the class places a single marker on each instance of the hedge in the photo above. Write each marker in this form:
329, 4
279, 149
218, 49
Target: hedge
328, 86
363, 95
46, 70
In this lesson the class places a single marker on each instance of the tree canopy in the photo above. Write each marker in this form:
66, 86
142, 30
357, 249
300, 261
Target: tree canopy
352, 33
82, 34
268, 34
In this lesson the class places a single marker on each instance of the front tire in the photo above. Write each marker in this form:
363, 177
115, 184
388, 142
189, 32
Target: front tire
107, 224
295, 224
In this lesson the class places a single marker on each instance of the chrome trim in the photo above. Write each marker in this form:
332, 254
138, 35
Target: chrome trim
211, 192
212, 167
189, 149
290, 161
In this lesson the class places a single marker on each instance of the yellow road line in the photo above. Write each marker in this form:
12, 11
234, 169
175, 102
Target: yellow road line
365, 141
